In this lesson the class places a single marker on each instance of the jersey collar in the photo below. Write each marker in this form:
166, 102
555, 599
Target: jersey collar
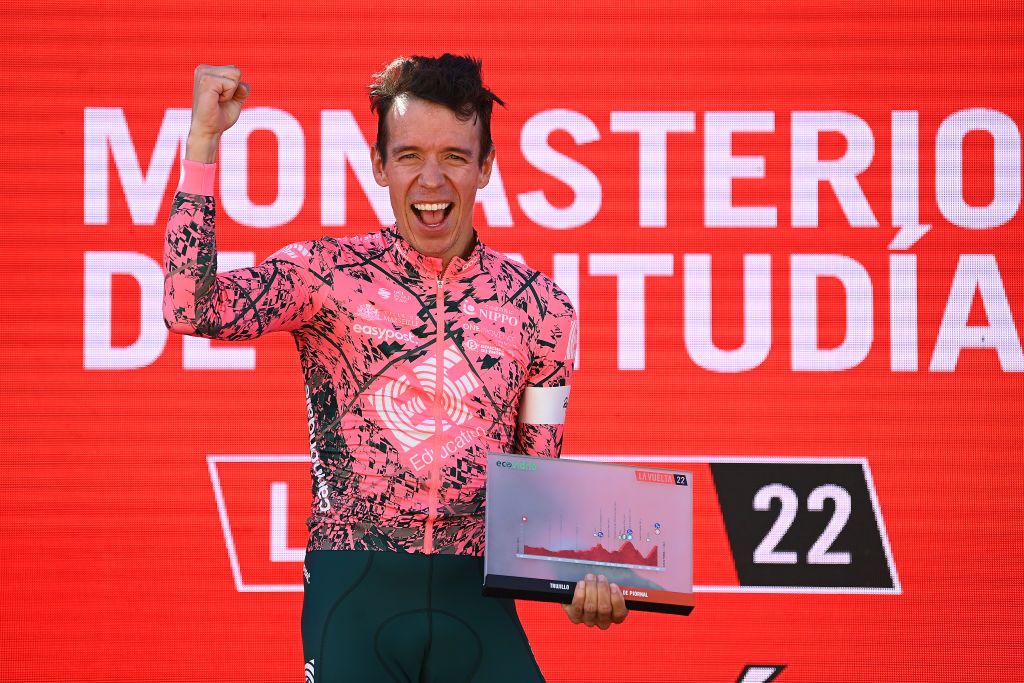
430, 266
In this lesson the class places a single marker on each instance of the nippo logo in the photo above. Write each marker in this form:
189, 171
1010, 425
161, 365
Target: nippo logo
493, 313
406, 404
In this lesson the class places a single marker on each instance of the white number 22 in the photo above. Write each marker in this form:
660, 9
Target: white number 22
766, 552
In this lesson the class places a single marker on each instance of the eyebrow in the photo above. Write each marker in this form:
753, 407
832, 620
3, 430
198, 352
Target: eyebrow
412, 148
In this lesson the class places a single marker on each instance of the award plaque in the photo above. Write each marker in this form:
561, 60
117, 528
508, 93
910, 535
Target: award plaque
550, 522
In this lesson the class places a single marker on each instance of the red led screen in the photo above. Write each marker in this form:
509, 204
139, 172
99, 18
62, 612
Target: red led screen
792, 236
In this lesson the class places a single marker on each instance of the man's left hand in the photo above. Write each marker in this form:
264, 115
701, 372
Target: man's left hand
597, 603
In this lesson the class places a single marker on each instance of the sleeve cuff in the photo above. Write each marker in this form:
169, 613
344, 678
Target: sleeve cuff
197, 178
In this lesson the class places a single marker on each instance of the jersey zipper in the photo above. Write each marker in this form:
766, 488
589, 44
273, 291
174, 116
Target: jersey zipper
435, 465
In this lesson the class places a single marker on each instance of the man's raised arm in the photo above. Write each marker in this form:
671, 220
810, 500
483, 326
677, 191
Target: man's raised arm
280, 294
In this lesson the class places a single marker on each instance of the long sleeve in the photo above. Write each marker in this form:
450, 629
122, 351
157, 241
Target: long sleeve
546, 396
282, 293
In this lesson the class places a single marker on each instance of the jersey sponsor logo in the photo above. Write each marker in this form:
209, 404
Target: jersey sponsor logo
493, 313
374, 314
317, 465
486, 349
400, 296
464, 439
492, 350
382, 333
398, 318
406, 404
368, 312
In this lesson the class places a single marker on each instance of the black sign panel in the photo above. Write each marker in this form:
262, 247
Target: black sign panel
802, 525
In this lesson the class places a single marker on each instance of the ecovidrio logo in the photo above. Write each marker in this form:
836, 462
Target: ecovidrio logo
515, 465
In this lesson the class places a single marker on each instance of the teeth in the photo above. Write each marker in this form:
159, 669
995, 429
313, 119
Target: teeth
431, 207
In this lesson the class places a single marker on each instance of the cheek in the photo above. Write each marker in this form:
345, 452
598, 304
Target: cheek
398, 188
469, 184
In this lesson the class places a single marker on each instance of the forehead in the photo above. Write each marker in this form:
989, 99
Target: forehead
413, 122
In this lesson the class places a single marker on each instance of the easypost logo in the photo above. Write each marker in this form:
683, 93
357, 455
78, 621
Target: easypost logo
382, 333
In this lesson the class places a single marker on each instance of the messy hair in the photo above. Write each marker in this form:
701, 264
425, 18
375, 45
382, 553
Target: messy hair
451, 81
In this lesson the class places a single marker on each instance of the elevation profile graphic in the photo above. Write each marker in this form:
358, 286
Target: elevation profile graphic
602, 535
552, 521
625, 556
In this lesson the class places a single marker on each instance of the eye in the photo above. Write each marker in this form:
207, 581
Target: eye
457, 157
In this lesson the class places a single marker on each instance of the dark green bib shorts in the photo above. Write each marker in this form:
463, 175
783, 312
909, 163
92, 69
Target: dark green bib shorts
396, 616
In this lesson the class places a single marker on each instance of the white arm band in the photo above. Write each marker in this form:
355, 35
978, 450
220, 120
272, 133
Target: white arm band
544, 405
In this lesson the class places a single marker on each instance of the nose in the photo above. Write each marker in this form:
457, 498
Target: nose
430, 174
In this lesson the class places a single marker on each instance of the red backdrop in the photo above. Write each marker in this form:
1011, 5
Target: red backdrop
785, 159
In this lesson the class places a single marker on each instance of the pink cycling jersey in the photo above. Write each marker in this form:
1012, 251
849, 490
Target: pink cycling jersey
412, 374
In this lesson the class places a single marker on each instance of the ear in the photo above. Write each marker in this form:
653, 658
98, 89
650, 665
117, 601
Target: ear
485, 169
379, 174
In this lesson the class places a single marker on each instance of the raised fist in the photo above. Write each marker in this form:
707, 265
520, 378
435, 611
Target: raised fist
217, 96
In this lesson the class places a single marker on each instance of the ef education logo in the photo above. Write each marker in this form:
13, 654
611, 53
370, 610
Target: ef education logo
529, 466
661, 478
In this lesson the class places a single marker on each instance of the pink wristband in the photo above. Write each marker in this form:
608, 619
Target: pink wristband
197, 178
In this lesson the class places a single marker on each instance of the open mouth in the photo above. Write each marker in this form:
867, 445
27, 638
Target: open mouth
432, 215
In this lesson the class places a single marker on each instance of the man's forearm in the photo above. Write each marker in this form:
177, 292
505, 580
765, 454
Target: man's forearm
190, 252
202, 148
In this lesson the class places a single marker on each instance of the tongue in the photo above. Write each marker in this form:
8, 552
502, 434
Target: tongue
432, 217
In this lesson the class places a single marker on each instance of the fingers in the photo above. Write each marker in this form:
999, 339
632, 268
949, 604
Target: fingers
575, 608
596, 602
224, 83
604, 603
619, 609
590, 601
242, 91
230, 72
217, 99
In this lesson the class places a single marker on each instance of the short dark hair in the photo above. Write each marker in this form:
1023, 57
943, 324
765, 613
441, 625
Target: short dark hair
449, 80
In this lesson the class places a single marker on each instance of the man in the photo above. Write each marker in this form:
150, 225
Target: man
422, 350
